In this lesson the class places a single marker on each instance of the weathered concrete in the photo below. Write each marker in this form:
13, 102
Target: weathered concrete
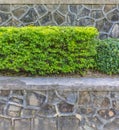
82, 84
59, 2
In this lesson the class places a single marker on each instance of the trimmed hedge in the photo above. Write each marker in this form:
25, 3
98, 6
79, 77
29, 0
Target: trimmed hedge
107, 57
47, 50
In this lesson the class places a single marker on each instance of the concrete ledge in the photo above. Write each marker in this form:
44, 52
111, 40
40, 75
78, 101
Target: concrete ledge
59, 1
81, 84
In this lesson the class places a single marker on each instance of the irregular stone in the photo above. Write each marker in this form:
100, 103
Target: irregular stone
45, 20
20, 12
4, 17
30, 16
84, 98
83, 12
18, 92
45, 124
63, 9
103, 36
73, 8
29, 113
35, 99
4, 93
2, 106
65, 107
114, 125
96, 122
115, 31
16, 100
103, 25
110, 7
68, 96
85, 22
47, 111
106, 114
13, 22
87, 127
67, 123
113, 16
96, 14
99, 94
106, 102
14, 111
5, 124
42, 10
5, 8
59, 18
86, 111
23, 124
101, 102
52, 98
71, 18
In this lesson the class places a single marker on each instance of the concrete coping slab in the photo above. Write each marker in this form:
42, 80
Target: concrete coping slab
59, 2
64, 83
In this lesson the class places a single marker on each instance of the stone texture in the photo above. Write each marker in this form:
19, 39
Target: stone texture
115, 31
70, 104
23, 124
105, 17
45, 124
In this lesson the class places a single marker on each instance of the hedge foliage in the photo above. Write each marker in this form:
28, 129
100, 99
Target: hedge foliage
47, 50
107, 57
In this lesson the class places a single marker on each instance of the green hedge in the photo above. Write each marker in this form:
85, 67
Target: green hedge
47, 50
107, 57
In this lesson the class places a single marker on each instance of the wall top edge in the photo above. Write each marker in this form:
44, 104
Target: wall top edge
59, 1
42, 83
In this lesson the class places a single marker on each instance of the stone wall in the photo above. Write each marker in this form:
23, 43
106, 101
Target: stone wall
105, 17
59, 103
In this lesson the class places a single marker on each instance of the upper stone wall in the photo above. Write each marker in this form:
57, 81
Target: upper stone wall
59, 1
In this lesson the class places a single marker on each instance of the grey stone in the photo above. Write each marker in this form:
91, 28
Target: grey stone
103, 25
35, 99
20, 12
63, 9
114, 125
29, 113
113, 16
83, 13
73, 8
45, 20
71, 19
59, 18
14, 111
4, 17
65, 107
47, 111
5, 124
30, 17
67, 123
41, 9
97, 14
85, 22
5, 8
109, 7
115, 31
23, 124
45, 124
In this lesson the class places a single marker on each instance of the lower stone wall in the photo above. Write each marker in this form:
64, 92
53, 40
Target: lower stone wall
59, 104
104, 17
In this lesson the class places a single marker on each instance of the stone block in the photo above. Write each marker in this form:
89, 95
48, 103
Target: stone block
68, 123
23, 124
45, 124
